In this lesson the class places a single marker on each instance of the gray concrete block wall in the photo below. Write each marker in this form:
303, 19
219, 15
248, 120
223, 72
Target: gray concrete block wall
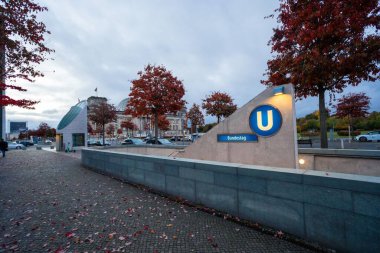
340, 211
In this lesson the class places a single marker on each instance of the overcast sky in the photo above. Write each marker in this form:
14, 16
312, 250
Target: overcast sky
212, 45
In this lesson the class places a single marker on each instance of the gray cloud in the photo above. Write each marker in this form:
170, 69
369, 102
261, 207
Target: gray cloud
52, 111
210, 45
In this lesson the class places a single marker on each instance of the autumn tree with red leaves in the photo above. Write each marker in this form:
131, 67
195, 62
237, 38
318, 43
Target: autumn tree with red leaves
110, 130
21, 48
196, 117
163, 123
219, 104
156, 92
90, 130
102, 113
129, 125
42, 129
324, 46
351, 106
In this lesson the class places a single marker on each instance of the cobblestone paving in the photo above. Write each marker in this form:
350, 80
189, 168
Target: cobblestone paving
49, 203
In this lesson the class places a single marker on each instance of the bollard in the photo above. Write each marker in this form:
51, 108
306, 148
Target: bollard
341, 143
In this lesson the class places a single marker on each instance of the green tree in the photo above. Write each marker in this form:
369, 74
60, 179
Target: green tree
312, 125
207, 127
373, 121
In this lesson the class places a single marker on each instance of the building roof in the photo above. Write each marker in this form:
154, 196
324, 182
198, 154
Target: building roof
122, 105
71, 115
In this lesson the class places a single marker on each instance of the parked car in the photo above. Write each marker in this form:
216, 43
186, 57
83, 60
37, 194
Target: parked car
159, 141
132, 141
15, 145
196, 136
147, 138
181, 138
25, 143
370, 136
176, 138
97, 143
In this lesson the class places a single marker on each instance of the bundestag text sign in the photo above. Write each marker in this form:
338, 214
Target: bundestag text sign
237, 137
264, 121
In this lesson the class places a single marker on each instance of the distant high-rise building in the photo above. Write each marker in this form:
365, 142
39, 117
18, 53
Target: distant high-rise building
17, 126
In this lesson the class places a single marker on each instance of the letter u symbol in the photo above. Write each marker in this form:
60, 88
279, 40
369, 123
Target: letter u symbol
260, 121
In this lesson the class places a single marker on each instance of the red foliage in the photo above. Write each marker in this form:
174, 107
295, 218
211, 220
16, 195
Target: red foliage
196, 117
110, 130
353, 105
219, 104
146, 126
102, 113
21, 47
163, 123
156, 92
119, 131
128, 124
90, 130
44, 130
325, 46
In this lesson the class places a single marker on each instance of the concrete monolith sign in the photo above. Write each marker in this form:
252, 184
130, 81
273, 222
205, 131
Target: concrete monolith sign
262, 132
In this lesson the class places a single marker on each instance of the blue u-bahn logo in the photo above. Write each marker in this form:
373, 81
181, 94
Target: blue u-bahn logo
265, 120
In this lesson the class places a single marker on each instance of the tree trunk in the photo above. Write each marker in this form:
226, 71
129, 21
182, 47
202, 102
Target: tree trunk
218, 119
2, 79
156, 128
103, 132
349, 129
322, 119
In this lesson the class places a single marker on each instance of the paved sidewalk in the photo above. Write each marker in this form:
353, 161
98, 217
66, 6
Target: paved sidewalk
49, 203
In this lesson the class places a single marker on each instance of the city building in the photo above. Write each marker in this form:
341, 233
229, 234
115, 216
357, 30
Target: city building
15, 128
72, 129
144, 125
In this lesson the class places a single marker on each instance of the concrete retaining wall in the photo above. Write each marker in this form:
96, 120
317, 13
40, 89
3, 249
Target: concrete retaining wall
158, 150
352, 161
340, 211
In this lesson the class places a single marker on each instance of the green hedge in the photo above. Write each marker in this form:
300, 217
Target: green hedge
310, 134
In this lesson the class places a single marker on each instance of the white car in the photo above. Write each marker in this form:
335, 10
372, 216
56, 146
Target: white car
370, 136
14, 145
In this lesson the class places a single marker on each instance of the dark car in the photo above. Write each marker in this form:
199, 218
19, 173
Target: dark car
159, 141
26, 143
176, 138
97, 143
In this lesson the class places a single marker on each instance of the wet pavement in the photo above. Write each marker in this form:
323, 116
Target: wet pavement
49, 203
